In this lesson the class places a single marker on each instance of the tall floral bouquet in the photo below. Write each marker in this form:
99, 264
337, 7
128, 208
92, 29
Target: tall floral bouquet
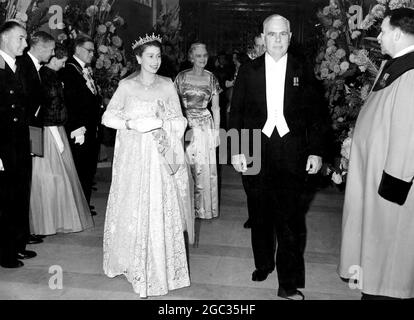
348, 62
27, 12
168, 26
97, 20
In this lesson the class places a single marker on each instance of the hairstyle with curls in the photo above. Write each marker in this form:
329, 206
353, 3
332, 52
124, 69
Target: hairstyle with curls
10, 25
61, 51
138, 51
402, 18
40, 37
193, 47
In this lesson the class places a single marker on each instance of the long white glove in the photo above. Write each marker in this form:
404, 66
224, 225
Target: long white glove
215, 135
58, 139
1, 166
145, 125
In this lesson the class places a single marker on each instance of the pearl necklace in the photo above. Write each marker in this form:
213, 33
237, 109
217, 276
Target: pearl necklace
149, 85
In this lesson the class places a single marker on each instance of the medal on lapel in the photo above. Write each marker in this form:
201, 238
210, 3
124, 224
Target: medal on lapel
383, 80
296, 81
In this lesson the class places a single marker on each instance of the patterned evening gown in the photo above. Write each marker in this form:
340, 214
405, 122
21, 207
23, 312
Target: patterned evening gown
201, 151
149, 205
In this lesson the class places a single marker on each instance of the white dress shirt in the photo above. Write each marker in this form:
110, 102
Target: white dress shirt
9, 60
404, 51
35, 61
275, 94
87, 75
82, 64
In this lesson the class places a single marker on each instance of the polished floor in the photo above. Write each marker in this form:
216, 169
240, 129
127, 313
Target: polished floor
221, 265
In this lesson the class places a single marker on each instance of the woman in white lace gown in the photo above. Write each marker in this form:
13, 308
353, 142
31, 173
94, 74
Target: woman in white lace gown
149, 205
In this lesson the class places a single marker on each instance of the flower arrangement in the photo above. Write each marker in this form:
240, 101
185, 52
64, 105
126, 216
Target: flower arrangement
168, 26
27, 12
348, 62
97, 20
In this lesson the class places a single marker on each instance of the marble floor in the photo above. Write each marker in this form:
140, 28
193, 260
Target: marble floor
221, 265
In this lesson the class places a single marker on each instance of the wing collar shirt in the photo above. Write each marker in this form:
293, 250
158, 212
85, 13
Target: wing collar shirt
404, 51
9, 60
82, 64
87, 75
275, 94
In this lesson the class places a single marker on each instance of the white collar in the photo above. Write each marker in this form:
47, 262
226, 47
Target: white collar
404, 51
270, 61
82, 64
9, 60
35, 61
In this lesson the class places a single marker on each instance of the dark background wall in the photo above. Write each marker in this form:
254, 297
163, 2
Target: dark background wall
225, 25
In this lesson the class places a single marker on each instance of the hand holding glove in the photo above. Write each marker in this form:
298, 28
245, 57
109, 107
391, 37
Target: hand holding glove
239, 163
145, 125
80, 139
78, 135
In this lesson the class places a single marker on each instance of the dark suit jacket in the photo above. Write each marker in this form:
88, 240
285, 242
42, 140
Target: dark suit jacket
14, 131
83, 107
303, 109
32, 87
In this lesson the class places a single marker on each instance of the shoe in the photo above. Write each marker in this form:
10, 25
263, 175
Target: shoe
91, 207
260, 274
12, 265
247, 224
93, 213
26, 254
33, 240
295, 295
40, 236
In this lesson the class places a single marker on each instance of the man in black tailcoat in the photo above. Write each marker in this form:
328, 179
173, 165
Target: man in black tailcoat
271, 99
15, 159
84, 105
41, 49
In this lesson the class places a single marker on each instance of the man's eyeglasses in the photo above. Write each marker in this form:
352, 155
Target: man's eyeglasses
89, 50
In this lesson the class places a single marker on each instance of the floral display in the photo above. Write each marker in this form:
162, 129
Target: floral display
97, 20
168, 26
26, 12
348, 62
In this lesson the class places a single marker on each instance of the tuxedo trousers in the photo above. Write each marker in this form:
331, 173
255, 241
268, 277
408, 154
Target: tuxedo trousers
15, 200
85, 157
275, 209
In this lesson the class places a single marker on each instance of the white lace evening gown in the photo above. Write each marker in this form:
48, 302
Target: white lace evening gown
149, 207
